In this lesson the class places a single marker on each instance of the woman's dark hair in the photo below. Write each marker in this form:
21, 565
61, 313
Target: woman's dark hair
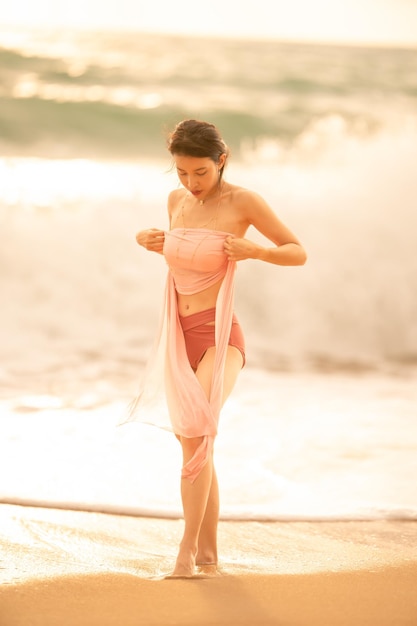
198, 139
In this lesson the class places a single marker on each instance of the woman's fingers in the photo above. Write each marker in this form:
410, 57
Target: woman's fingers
151, 239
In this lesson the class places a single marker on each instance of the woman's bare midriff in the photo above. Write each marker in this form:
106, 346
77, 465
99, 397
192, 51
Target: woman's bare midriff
201, 301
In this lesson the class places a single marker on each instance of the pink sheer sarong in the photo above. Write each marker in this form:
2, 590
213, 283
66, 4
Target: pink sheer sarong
191, 413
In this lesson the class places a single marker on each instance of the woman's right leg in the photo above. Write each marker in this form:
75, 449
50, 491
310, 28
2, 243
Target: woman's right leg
194, 497
207, 538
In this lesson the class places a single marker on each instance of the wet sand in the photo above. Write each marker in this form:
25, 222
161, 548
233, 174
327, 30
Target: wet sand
65, 568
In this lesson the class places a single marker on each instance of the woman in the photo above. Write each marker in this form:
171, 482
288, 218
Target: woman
203, 342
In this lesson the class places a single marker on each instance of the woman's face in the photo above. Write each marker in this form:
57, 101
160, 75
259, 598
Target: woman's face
200, 175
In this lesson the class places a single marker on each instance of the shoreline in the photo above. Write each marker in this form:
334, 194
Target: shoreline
77, 568
136, 512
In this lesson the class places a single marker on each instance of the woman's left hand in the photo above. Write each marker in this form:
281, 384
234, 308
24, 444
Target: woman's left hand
239, 249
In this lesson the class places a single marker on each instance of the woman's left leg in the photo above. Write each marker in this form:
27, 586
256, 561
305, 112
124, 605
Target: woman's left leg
207, 539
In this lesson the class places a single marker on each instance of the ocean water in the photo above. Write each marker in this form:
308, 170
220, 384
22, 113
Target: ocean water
323, 422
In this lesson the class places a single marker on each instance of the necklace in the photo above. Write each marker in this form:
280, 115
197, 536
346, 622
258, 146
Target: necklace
201, 202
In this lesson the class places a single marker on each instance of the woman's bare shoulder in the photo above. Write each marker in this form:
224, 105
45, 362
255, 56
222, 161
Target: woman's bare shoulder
241, 193
243, 197
175, 195
174, 198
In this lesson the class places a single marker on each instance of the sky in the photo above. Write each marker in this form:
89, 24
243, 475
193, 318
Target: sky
346, 21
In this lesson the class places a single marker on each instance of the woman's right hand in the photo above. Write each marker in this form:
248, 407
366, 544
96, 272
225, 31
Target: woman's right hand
151, 239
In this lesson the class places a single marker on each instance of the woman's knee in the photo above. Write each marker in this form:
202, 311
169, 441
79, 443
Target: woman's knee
189, 446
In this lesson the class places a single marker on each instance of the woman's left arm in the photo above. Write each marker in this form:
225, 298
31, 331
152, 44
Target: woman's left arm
287, 249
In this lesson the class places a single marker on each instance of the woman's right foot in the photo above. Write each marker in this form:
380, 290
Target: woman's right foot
185, 565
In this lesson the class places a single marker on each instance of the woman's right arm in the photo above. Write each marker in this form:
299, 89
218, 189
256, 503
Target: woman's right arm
151, 239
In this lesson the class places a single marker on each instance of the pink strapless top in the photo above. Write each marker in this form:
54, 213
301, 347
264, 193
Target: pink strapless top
196, 258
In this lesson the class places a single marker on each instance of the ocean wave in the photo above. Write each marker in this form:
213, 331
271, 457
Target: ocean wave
50, 128
107, 96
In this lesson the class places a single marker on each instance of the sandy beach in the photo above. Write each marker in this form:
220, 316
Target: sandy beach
79, 568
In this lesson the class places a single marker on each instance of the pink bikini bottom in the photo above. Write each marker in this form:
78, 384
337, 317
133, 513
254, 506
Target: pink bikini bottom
199, 331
